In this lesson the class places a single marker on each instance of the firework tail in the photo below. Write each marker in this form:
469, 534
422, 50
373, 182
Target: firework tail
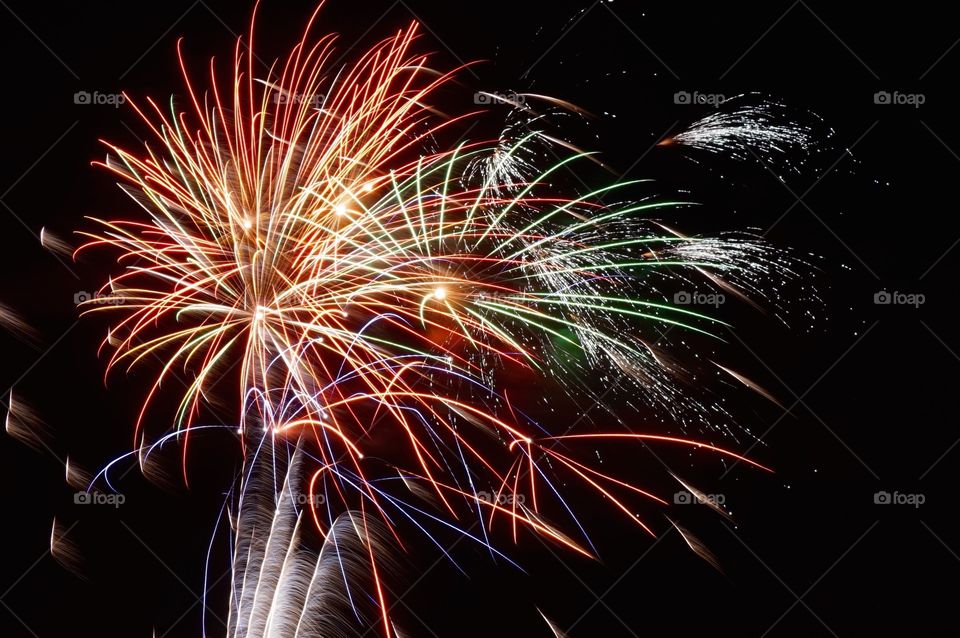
281, 586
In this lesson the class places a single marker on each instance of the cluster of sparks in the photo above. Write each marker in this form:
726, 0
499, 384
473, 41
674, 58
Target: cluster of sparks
746, 130
363, 282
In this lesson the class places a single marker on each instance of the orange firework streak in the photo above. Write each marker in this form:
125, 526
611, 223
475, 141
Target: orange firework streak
297, 225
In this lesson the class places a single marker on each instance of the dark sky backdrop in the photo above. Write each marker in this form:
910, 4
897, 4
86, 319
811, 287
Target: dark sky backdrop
870, 388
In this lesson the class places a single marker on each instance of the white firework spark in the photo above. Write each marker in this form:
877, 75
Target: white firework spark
766, 131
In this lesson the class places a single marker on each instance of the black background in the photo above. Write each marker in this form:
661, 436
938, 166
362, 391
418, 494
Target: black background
869, 387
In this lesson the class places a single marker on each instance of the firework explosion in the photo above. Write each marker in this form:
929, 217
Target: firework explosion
371, 290
765, 130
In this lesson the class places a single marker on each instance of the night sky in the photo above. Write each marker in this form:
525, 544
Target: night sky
866, 394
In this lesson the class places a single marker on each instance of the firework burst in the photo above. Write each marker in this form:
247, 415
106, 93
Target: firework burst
308, 233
